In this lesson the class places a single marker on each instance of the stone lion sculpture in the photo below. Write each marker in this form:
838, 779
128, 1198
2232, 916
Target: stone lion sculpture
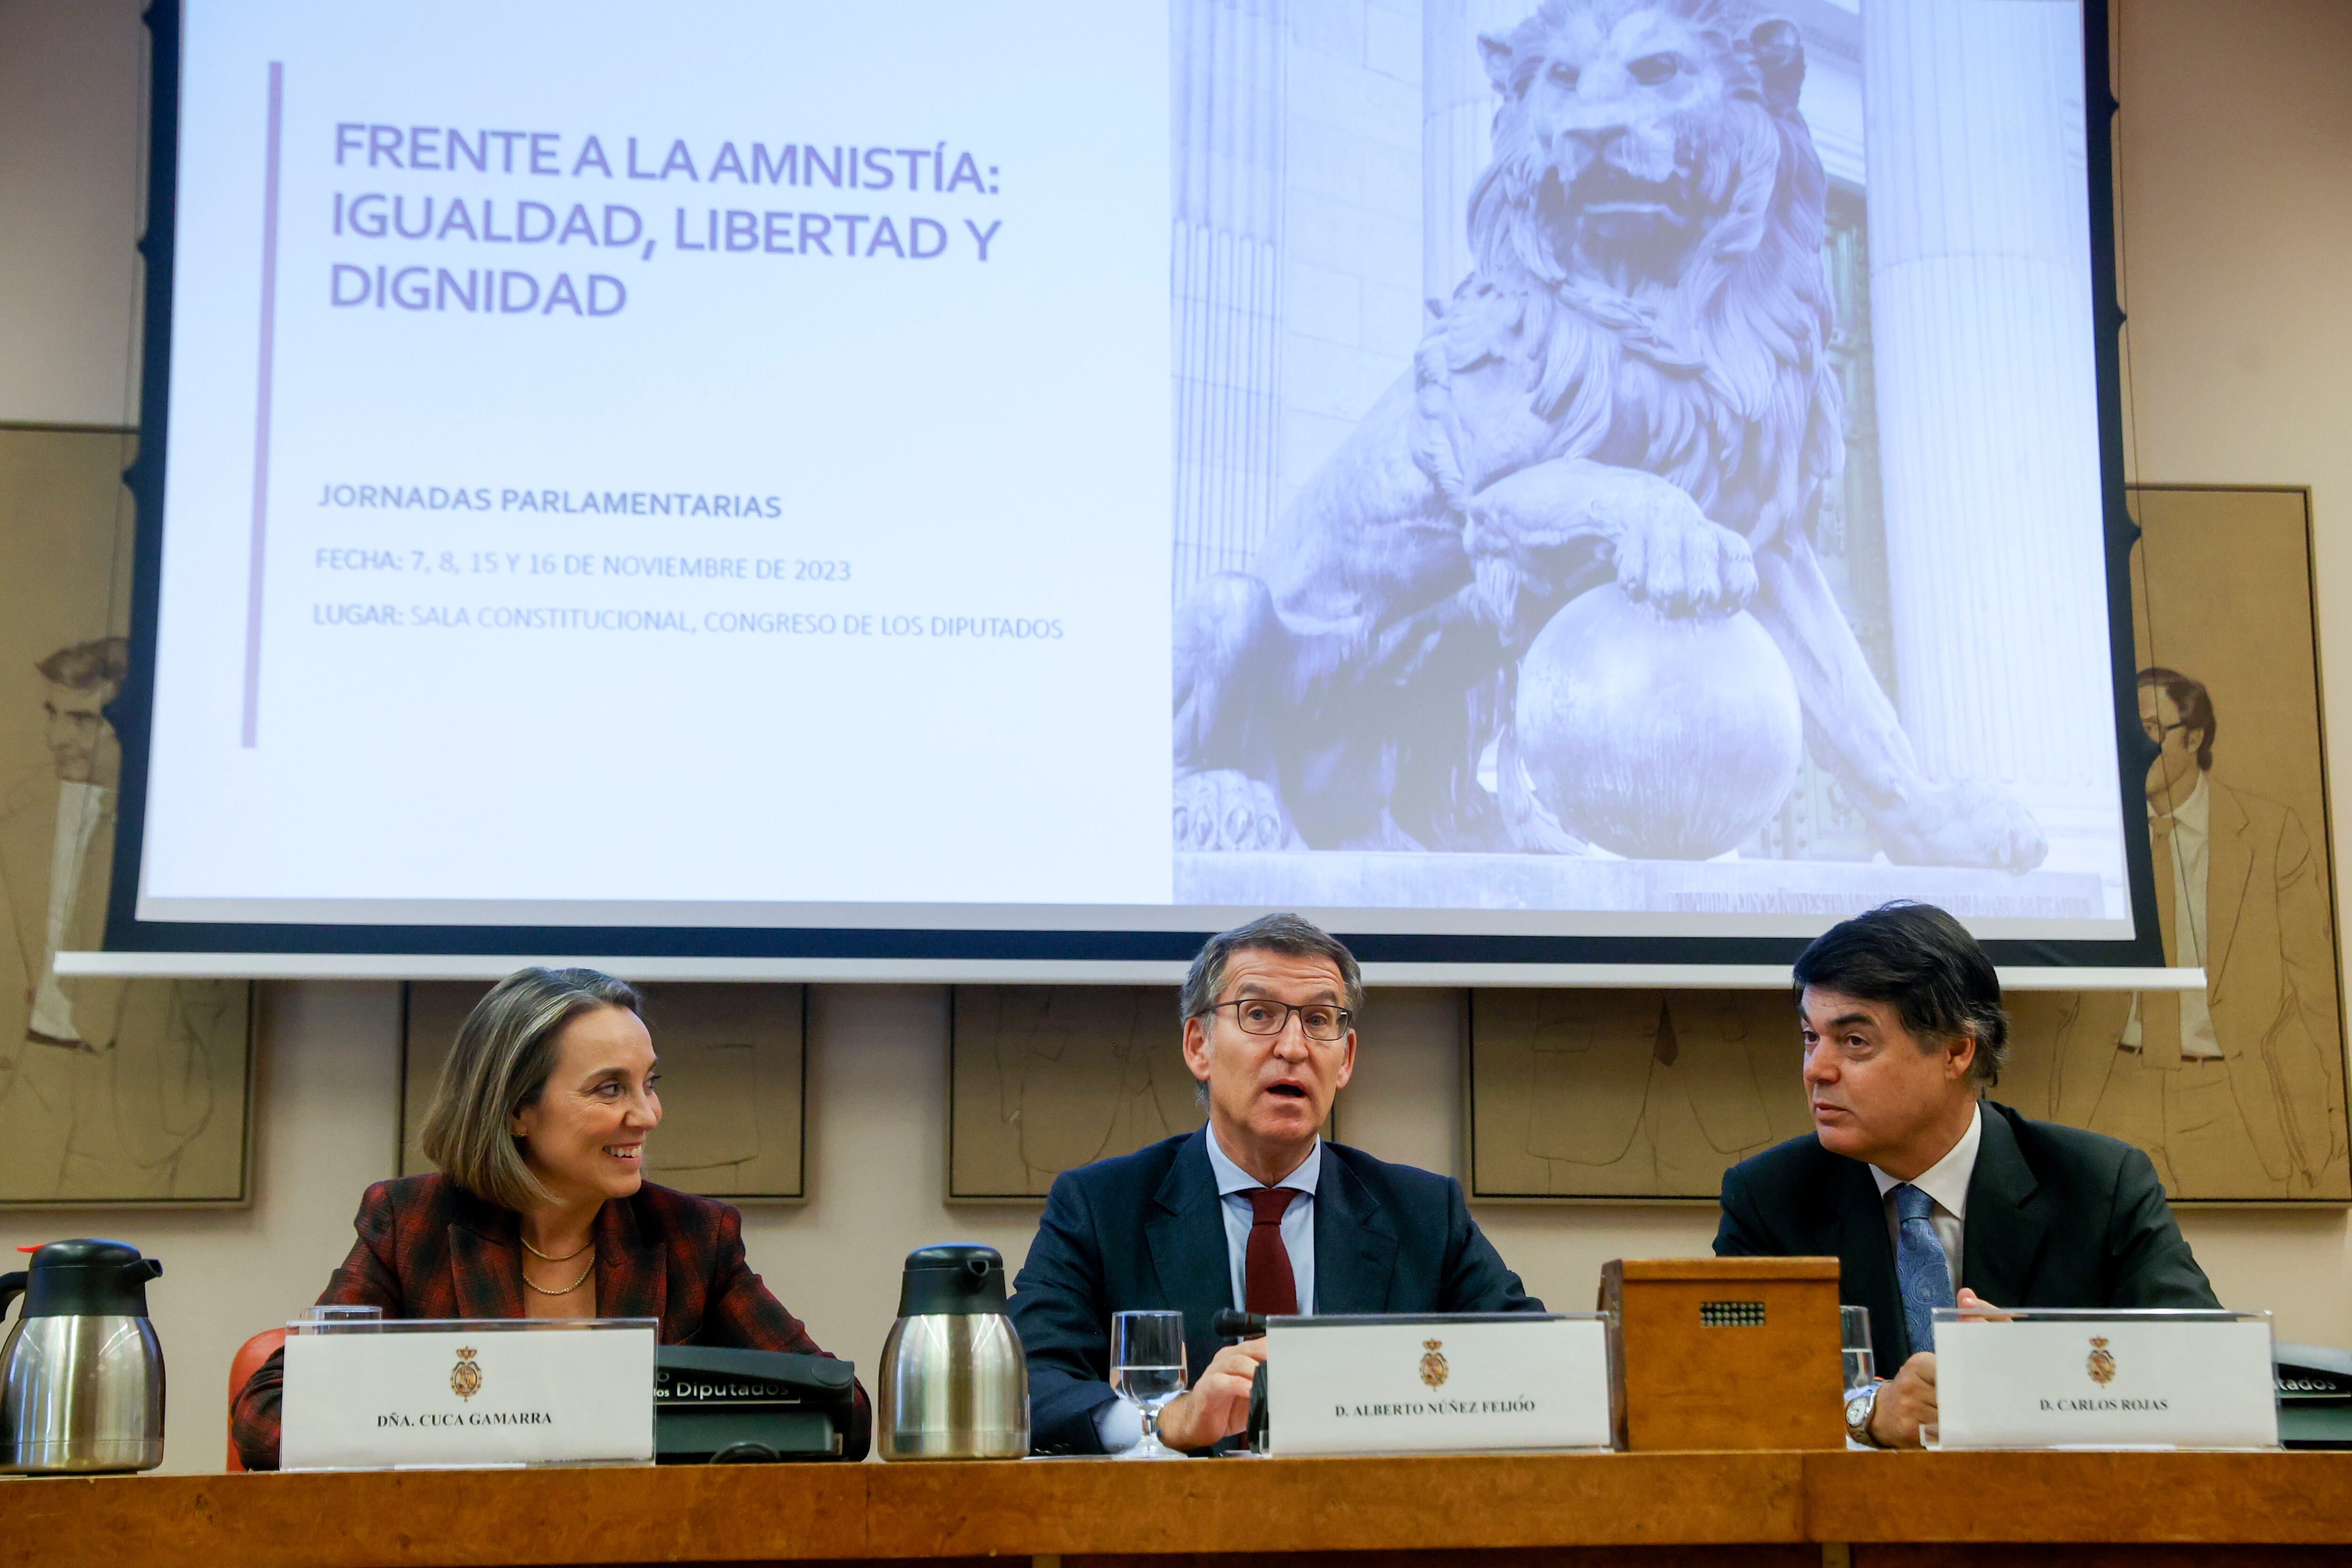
1632, 384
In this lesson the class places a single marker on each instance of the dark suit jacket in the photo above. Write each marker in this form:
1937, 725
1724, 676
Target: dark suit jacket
2057, 1218
1147, 1232
428, 1248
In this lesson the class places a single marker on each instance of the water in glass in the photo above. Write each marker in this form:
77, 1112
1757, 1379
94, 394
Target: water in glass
1860, 1368
1148, 1387
1146, 1370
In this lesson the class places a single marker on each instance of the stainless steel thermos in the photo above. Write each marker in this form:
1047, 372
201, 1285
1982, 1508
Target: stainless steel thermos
81, 1376
954, 1383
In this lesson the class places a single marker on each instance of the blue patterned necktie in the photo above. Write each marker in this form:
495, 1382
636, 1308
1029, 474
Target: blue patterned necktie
1921, 1271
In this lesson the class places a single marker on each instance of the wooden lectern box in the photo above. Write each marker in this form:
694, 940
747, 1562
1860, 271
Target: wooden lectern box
1725, 1353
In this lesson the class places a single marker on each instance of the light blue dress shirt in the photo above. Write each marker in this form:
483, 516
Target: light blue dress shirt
1119, 1424
1234, 1186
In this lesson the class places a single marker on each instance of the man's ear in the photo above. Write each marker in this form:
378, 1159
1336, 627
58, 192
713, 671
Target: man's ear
1197, 1048
1960, 1052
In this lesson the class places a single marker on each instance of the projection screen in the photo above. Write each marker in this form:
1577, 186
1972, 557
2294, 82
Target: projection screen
1607, 479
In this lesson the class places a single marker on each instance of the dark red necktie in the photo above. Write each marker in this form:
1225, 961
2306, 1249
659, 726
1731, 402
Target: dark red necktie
1267, 1280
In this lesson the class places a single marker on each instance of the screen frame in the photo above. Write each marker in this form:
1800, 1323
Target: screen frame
1080, 951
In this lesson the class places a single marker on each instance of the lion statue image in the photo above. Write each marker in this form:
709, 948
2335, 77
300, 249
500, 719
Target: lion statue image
1632, 384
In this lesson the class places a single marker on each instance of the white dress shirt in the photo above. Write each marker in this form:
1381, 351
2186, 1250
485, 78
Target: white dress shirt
79, 808
1947, 1182
2193, 861
1119, 1424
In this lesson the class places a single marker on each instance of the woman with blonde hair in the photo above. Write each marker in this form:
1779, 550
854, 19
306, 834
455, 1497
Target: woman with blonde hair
540, 1208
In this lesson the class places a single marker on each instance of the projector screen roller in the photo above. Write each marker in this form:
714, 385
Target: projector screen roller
1522, 474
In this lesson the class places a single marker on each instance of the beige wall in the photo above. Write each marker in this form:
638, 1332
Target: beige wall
73, 135
2237, 190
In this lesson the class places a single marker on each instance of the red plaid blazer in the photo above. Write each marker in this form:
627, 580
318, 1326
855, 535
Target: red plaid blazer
428, 1248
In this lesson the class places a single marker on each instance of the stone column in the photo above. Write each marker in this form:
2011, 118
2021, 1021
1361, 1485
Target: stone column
1226, 65
1981, 306
1456, 128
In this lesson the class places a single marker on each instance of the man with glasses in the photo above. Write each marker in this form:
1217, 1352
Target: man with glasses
106, 1087
1253, 1211
2234, 1090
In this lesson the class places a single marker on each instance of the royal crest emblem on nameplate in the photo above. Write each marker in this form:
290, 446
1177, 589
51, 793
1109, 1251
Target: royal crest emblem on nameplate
1436, 1382
2105, 1378
465, 1377
424, 1393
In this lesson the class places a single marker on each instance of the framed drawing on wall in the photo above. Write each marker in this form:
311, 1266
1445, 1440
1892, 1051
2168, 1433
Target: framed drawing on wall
733, 1083
1042, 1078
111, 1091
2237, 1093
1045, 1077
1627, 1094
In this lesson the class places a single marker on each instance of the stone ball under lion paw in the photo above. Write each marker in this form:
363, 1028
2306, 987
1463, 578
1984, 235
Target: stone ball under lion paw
1656, 736
1226, 810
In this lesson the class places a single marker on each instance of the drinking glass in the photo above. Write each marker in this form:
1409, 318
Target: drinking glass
1853, 1340
1146, 1370
344, 1318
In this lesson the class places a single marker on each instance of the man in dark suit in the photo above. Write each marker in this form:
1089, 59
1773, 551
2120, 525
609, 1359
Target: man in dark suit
1253, 1211
1916, 1184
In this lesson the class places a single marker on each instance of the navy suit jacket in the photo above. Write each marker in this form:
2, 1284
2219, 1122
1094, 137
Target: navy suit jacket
2057, 1218
1147, 1232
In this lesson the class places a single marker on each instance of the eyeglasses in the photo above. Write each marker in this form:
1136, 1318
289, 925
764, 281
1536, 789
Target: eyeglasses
1263, 1015
2157, 731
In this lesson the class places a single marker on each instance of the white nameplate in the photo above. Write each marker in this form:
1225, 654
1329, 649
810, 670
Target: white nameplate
2098, 1381
450, 1395
1435, 1385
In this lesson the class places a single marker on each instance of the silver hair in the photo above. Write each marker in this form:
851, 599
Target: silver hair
504, 1052
1292, 935
1268, 933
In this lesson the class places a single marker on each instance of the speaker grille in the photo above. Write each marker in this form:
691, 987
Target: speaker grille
1731, 1314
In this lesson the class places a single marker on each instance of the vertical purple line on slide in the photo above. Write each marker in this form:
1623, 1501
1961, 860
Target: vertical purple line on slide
261, 409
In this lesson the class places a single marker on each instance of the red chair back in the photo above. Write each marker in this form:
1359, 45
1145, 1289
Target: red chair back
248, 1360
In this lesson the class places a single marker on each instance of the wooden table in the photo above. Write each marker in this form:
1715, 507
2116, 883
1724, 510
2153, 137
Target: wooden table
1604, 1511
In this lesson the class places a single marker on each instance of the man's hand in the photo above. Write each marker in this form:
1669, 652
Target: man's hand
1906, 1402
1218, 1406
1975, 1309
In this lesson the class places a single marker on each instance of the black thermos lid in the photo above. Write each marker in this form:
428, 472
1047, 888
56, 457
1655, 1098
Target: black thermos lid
954, 1278
88, 1278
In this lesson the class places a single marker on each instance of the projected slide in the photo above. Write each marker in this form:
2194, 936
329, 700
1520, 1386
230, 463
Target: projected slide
1577, 468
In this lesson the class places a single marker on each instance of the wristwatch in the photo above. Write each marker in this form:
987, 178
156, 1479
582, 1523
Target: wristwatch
1860, 1406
